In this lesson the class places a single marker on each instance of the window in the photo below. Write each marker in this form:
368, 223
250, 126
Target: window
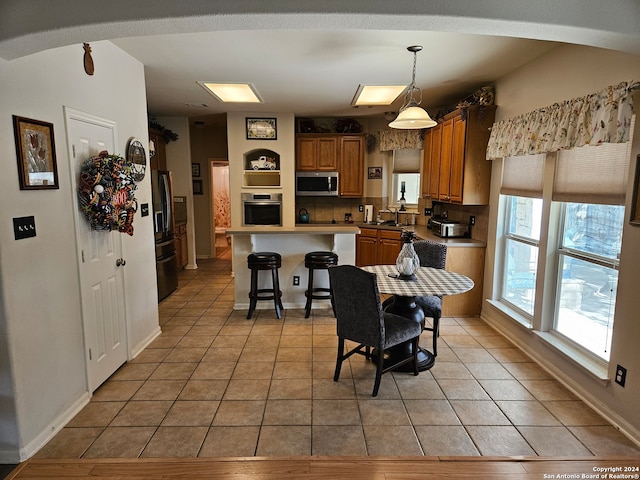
522, 235
411, 182
580, 195
588, 274
406, 175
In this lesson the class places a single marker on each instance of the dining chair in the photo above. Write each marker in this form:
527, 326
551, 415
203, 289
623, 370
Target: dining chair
360, 319
432, 255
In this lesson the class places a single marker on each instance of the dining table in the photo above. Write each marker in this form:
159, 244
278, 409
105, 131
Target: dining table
426, 281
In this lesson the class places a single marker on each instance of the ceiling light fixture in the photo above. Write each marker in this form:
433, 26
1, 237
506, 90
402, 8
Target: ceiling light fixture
368, 95
232, 92
411, 116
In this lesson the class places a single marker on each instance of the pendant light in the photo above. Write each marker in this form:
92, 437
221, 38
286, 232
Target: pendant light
411, 116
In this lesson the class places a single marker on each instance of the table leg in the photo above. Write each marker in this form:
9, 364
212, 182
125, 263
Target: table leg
406, 307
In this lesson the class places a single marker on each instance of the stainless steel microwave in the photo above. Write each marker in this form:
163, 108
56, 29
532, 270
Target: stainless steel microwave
317, 184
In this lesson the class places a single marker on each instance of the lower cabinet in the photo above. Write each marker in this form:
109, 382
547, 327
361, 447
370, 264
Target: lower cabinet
180, 241
377, 246
381, 247
468, 261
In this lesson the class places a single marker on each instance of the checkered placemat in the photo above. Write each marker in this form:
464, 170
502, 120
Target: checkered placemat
429, 281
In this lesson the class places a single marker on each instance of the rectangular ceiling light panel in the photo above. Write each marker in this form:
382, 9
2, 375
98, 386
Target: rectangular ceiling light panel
377, 94
232, 92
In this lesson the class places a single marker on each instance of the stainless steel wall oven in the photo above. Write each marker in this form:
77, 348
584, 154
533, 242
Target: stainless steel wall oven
262, 209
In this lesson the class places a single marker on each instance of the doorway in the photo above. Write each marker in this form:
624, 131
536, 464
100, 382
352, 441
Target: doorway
220, 205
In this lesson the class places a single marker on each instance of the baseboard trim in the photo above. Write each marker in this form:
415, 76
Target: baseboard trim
52, 429
145, 343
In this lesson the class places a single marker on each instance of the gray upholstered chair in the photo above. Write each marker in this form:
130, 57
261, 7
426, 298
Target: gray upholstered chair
360, 319
433, 255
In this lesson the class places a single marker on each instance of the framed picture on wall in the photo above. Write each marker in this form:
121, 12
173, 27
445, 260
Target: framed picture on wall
261, 129
375, 173
195, 169
197, 187
36, 152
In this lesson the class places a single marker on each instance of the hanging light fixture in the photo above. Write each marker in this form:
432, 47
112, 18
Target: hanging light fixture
411, 116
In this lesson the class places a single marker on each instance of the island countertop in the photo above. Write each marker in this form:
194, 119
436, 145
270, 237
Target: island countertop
304, 229
421, 231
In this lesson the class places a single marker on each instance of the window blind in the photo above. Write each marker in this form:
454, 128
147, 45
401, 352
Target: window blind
407, 160
523, 176
593, 174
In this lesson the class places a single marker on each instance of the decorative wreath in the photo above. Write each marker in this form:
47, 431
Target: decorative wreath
105, 192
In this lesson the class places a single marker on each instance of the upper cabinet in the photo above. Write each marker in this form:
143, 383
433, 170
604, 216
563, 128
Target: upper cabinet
337, 153
317, 153
455, 166
350, 182
159, 160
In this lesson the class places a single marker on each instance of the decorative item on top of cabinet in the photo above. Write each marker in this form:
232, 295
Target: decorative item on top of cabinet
458, 171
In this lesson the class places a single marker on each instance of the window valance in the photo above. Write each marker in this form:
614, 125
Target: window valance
601, 117
394, 139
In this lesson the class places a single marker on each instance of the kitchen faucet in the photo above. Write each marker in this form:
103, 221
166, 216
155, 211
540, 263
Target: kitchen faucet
396, 213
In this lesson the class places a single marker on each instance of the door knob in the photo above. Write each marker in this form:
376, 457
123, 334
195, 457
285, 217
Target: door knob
121, 262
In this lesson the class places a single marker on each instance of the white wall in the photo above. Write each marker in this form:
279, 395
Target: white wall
564, 73
42, 374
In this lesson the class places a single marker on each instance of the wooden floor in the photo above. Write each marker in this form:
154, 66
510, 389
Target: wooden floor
332, 468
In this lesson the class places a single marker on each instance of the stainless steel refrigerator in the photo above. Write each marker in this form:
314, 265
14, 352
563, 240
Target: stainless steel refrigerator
166, 261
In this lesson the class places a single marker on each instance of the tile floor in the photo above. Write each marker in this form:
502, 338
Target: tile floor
215, 384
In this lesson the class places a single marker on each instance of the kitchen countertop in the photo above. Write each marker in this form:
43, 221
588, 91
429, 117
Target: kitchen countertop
300, 229
422, 232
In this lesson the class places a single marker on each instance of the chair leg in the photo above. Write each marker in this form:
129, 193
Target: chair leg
309, 294
336, 374
414, 347
436, 334
277, 302
253, 293
379, 368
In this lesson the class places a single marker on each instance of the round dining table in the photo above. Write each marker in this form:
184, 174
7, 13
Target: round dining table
427, 281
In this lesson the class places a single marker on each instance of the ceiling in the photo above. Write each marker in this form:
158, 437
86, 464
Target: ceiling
316, 72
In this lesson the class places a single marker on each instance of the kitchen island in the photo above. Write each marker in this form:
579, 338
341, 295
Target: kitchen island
292, 243
465, 256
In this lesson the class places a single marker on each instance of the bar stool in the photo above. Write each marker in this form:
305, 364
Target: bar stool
265, 261
318, 261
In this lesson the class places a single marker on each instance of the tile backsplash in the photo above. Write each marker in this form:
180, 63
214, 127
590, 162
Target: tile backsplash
326, 210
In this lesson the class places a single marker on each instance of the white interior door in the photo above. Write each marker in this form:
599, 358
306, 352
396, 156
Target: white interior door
100, 259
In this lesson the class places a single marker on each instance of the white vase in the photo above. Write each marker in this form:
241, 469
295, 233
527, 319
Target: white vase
407, 262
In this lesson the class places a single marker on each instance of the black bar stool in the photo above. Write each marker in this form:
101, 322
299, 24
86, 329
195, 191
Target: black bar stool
318, 261
265, 261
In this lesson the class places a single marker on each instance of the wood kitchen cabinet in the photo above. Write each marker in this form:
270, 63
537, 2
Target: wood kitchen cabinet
367, 247
334, 153
159, 160
180, 241
377, 246
468, 261
317, 153
351, 180
455, 159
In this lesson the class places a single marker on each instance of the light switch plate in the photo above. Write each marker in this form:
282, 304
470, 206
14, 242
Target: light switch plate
144, 209
24, 227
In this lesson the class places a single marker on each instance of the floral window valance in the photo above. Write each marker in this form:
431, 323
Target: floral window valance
601, 117
393, 139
